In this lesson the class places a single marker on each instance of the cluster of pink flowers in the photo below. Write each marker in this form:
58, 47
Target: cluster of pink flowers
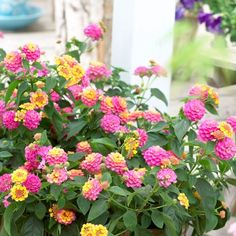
93, 31
152, 116
33, 183
143, 137
89, 96
8, 119
92, 163
5, 182
98, 71
84, 147
116, 162
166, 177
57, 176
32, 119
91, 189
110, 123
153, 70
133, 178
32, 52
13, 62
56, 156
115, 105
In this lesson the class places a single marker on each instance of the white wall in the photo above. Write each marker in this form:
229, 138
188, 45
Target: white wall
142, 30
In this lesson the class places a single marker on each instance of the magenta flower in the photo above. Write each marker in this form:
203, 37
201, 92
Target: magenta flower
166, 177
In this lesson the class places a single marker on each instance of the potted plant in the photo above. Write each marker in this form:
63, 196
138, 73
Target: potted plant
82, 154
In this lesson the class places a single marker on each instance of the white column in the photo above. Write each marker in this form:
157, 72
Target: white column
142, 30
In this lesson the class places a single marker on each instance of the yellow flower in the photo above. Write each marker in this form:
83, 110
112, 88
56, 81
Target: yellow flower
183, 200
40, 84
32, 47
20, 115
87, 230
100, 230
27, 106
19, 193
39, 99
226, 129
19, 176
117, 157
87, 187
131, 145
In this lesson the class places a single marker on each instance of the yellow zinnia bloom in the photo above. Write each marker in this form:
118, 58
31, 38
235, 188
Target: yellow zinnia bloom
19, 193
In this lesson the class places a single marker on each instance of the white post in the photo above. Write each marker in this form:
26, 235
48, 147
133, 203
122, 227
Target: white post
142, 30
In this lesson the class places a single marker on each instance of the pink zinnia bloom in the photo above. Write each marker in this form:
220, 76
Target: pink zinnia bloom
84, 147
158, 70
155, 156
152, 116
89, 96
32, 120
56, 156
13, 62
143, 137
31, 51
166, 177
199, 91
133, 178
142, 71
58, 176
206, 130
92, 163
76, 91
9, 120
65, 217
119, 104
31, 153
5, 182
232, 121
110, 123
55, 97
106, 104
116, 162
98, 71
91, 189
93, 31
194, 110
33, 183
225, 149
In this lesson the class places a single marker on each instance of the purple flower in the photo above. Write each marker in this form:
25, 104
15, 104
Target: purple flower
204, 17
179, 12
214, 26
188, 4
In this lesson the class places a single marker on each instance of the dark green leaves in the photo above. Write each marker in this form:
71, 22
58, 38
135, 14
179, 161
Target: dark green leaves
105, 141
181, 128
118, 191
159, 94
32, 227
75, 127
97, 209
40, 210
83, 204
22, 88
157, 218
2, 54
130, 220
13, 85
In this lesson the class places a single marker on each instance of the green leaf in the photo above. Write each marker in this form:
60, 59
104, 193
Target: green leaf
157, 218
5, 154
98, 208
105, 141
130, 220
2, 54
155, 139
55, 191
51, 82
8, 216
40, 210
75, 127
44, 138
170, 227
158, 127
22, 88
146, 221
211, 109
37, 65
159, 94
83, 204
26, 64
118, 191
32, 227
75, 157
10, 89
181, 128
70, 230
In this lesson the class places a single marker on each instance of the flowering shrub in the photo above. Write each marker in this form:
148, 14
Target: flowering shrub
81, 153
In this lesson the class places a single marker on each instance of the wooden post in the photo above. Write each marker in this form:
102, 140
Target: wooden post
142, 30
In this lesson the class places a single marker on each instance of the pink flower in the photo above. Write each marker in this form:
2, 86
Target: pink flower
56, 156
32, 120
13, 62
142, 71
33, 183
155, 156
194, 110
91, 189
98, 71
200, 91
31, 51
133, 178
110, 123
93, 31
40, 72
5, 183
166, 177
152, 116
55, 97
158, 70
9, 120
232, 229
143, 137
58, 176
92, 163
31, 154
232, 121
119, 104
76, 91
89, 96
116, 162
84, 147
225, 149
206, 130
